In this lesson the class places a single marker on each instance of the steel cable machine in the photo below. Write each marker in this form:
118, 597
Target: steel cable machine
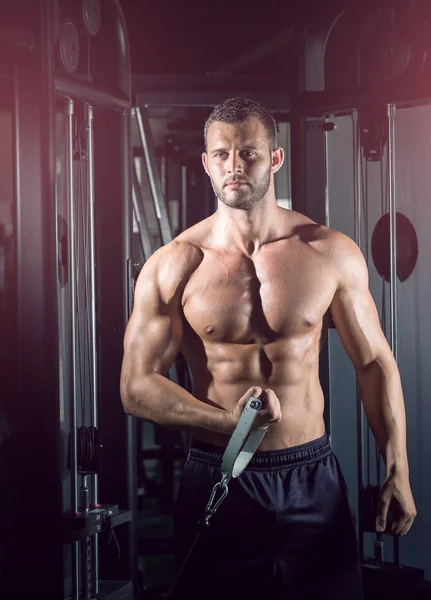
67, 450
363, 66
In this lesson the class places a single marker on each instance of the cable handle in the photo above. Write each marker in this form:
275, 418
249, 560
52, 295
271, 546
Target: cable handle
239, 451
243, 444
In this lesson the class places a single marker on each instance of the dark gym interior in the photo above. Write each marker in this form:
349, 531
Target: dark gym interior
102, 109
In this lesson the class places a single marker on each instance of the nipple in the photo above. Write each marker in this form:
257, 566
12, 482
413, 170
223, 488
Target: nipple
209, 329
310, 322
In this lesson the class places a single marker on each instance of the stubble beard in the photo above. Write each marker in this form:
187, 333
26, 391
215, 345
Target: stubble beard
246, 197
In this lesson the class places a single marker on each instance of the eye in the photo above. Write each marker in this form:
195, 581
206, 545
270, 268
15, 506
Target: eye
220, 154
248, 153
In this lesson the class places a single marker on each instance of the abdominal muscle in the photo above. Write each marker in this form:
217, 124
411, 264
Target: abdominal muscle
229, 372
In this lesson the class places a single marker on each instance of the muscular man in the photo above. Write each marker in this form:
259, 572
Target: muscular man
245, 295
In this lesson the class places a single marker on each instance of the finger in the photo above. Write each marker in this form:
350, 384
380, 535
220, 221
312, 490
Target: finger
382, 514
273, 404
402, 527
407, 527
253, 391
398, 525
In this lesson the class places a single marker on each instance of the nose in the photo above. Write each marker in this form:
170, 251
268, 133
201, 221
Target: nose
235, 164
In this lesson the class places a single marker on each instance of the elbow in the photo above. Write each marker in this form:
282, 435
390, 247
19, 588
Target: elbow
128, 396
134, 396
128, 408
127, 400
384, 363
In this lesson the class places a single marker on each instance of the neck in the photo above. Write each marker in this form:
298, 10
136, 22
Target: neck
246, 230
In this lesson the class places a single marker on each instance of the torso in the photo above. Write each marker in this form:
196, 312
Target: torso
260, 320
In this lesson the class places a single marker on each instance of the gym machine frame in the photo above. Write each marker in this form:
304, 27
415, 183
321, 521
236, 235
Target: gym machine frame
84, 523
311, 110
32, 68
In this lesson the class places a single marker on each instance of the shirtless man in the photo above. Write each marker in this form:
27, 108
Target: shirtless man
245, 296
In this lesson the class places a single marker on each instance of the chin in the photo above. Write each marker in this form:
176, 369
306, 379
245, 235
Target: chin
239, 203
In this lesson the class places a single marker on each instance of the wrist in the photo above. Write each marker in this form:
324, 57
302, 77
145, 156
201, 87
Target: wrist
222, 421
397, 469
230, 422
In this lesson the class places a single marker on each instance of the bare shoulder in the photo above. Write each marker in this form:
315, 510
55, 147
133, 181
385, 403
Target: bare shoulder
342, 253
344, 256
169, 269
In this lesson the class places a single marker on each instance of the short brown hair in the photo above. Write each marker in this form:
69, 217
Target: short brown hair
240, 110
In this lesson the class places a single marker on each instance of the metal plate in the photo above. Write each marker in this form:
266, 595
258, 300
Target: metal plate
69, 46
91, 15
57, 20
394, 53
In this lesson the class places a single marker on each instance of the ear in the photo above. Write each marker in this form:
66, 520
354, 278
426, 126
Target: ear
205, 162
277, 159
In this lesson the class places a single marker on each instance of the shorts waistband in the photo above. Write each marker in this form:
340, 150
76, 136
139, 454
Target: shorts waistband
264, 460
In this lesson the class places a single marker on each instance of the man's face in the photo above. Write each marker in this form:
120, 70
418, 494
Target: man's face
239, 163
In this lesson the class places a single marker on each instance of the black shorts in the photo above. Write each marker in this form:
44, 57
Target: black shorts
285, 531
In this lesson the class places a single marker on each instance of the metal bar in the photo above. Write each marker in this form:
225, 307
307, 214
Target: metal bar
153, 175
35, 347
184, 197
163, 174
393, 259
340, 103
356, 177
359, 409
138, 203
89, 125
257, 53
70, 113
92, 259
95, 95
124, 78
276, 101
393, 231
312, 51
327, 216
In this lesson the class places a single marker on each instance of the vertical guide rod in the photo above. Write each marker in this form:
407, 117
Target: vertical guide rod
70, 114
91, 201
153, 175
393, 232
89, 126
183, 197
359, 412
393, 263
327, 216
140, 216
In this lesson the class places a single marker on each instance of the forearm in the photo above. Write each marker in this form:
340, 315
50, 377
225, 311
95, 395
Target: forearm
383, 401
155, 398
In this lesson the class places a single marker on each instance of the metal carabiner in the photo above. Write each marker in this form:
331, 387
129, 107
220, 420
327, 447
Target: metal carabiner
210, 510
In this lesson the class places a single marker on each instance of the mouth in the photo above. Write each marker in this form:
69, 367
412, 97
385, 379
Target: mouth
235, 184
